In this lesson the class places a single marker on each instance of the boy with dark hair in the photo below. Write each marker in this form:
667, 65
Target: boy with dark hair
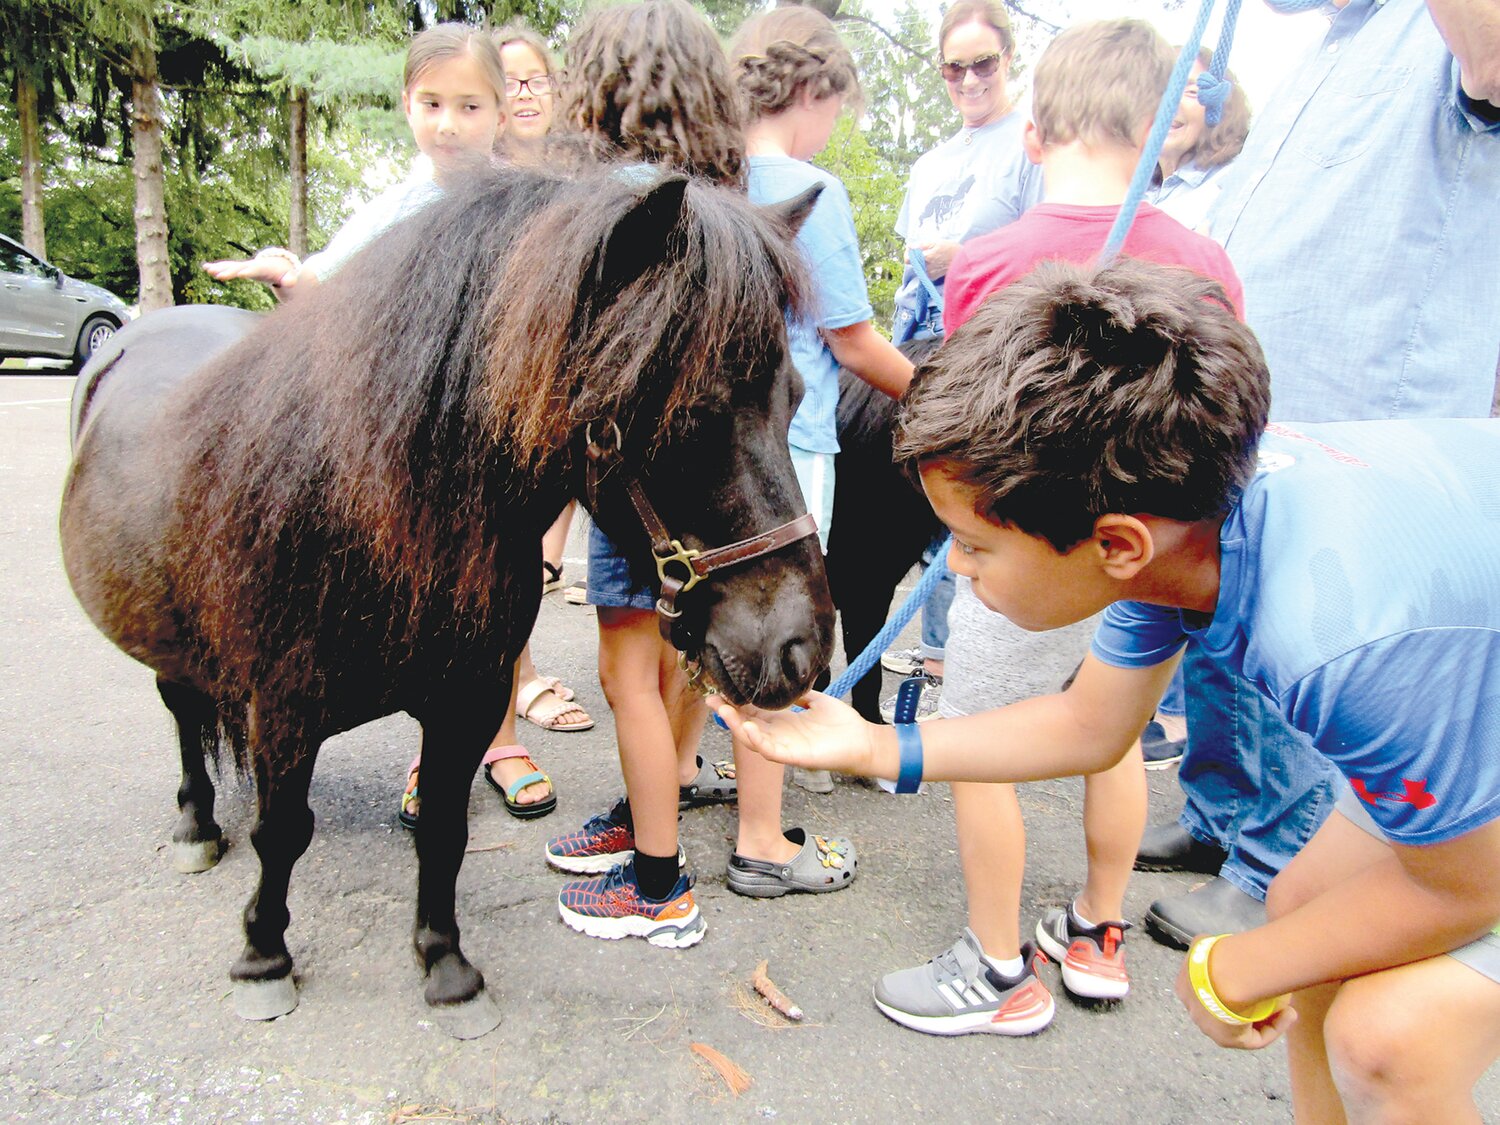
1094, 94
1091, 437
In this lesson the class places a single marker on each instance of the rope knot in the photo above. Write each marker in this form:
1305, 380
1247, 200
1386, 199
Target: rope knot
1212, 94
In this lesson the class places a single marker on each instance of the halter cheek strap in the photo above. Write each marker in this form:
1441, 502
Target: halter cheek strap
690, 565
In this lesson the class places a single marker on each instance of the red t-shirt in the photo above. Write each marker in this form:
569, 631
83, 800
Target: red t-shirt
1076, 234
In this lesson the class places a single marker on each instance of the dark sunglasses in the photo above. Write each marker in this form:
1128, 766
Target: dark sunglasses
540, 86
983, 67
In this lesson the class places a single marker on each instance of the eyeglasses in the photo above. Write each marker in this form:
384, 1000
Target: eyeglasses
983, 67
540, 86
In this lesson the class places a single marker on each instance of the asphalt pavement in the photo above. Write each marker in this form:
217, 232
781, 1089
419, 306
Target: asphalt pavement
115, 990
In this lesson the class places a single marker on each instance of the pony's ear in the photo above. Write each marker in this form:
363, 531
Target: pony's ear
640, 239
791, 213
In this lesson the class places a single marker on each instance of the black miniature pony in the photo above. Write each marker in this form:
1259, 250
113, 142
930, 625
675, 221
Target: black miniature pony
304, 522
881, 520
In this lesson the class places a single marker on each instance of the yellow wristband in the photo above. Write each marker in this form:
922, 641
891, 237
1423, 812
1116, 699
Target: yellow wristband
1203, 988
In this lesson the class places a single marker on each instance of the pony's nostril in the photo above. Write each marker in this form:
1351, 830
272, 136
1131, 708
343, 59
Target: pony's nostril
797, 661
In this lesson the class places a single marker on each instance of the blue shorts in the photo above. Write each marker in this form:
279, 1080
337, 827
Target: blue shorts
1483, 953
611, 583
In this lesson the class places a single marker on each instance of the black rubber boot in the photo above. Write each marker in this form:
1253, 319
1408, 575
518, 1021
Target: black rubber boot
1217, 907
1170, 847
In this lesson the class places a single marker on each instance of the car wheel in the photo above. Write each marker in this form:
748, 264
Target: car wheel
95, 331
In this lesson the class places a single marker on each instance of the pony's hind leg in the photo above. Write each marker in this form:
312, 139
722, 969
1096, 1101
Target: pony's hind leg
197, 842
263, 986
452, 746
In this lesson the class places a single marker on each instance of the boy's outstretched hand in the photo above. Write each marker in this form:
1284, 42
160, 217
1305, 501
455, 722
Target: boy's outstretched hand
828, 735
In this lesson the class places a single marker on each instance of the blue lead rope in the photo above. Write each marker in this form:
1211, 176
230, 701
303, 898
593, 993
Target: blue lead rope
882, 640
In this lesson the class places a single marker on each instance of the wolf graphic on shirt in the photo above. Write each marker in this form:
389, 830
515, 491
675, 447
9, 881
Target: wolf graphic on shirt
940, 208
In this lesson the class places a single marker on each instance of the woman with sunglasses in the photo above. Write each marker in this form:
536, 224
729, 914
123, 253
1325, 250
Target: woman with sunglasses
974, 182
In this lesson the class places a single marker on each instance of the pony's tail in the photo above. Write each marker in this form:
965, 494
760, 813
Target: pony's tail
229, 738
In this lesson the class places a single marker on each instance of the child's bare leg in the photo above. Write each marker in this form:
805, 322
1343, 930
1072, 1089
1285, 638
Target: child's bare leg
1337, 851
508, 771
555, 541
992, 850
685, 710
1408, 1044
760, 785
1114, 816
629, 656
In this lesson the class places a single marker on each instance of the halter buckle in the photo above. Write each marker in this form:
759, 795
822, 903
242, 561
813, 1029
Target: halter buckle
684, 556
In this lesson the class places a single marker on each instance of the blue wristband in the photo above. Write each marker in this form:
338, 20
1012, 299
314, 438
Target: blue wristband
909, 739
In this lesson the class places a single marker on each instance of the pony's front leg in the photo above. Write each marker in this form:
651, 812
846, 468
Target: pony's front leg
263, 986
454, 739
197, 842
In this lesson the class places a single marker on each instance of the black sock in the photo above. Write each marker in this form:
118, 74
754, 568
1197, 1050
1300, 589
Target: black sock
620, 814
656, 875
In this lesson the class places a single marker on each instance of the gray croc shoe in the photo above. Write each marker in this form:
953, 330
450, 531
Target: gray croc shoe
714, 785
825, 863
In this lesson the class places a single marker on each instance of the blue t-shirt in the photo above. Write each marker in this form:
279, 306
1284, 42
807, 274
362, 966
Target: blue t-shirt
831, 250
1359, 590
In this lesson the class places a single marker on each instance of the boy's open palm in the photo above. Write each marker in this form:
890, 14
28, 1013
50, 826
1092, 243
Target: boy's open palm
828, 734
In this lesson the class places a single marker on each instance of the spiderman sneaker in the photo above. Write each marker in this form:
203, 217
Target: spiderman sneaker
1092, 957
957, 993
603, 842
611, 907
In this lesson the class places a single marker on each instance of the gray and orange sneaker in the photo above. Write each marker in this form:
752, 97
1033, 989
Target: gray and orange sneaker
1092, 957
958, 993
611, 906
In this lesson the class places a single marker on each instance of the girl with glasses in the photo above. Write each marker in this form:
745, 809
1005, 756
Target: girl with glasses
530, 89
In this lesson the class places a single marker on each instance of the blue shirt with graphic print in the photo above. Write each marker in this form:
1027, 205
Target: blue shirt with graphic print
1359, 590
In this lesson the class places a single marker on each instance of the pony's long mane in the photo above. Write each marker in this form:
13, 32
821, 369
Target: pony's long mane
437, 380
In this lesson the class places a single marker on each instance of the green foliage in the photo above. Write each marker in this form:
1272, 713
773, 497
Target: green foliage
875, 192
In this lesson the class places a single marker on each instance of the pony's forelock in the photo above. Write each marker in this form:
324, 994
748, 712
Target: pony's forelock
720, 283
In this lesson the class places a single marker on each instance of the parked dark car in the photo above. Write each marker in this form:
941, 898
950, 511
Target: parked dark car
46, 313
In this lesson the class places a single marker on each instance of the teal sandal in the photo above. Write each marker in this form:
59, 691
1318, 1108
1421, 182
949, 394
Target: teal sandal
509, 793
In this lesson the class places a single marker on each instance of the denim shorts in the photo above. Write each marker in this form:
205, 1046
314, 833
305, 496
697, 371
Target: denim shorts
611, 583
1483, 953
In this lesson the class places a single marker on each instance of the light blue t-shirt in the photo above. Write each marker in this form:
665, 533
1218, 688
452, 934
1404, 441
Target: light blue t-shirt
831, 250
385, 210
976, 181
1361, 217
1359, 589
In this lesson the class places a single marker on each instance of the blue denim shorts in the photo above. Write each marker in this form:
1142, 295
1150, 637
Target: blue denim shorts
610, 581
1483, 953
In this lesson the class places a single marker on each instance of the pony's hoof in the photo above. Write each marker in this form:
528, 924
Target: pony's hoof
264, 999
470, 1019
189, 857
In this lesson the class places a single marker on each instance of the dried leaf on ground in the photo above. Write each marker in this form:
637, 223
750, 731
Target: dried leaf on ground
733, 1075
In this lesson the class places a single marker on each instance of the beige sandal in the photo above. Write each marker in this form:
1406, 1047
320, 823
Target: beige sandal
543, 702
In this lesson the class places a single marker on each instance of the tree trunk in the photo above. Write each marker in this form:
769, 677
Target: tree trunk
297, 116
33, 229
150, 180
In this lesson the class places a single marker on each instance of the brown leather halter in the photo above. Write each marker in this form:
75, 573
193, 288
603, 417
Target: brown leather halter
696, 564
